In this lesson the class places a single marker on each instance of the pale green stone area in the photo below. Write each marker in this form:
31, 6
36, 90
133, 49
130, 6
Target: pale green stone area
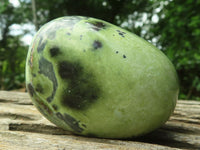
138, 84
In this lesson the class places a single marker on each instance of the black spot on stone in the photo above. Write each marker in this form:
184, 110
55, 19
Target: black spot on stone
70, 121
41, 45
30, 89
117, 52
124, 56
68, 33
55, 107
97, 25
84, 125
34, 75
54, 51
81, 36
97, 44
121, 33
39, 88
46, 68
82, 88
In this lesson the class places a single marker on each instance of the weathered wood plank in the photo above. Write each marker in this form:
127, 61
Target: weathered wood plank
27, 140
23, 127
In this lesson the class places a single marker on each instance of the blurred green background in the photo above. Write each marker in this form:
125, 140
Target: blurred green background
171, 25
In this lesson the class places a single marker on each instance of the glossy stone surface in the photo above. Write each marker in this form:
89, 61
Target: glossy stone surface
95, 79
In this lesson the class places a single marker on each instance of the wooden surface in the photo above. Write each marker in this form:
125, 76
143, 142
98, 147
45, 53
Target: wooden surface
22, 127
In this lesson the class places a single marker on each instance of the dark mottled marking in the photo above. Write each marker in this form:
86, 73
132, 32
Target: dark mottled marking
41, 45
55, 107
69, 70
84, 50
39, 88
117, 52
63, 23
68, 33
97, 44
53, 26
54, 51
45, 110
82, 94
97, 25
41, 110
124, 56
82, 86
46, 68
59, 115
30, 89
70, 121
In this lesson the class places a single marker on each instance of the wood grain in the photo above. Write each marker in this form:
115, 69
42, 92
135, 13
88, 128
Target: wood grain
22, 127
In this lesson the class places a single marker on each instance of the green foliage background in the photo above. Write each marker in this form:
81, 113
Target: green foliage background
172, 25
